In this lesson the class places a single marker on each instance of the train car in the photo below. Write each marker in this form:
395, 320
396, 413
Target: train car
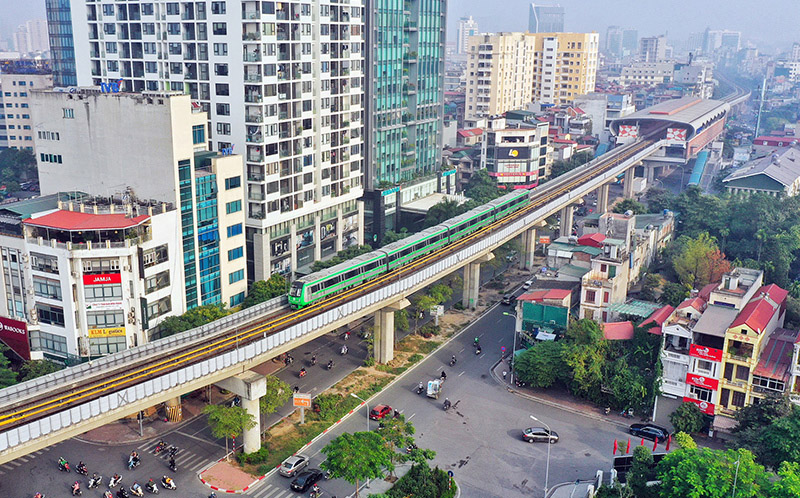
464, 224
510, 203
407, 250
321, 284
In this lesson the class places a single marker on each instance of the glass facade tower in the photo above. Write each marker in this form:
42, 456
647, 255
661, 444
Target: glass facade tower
62, 46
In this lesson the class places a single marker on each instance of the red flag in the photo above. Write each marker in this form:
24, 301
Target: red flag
628, 449
642, 442
669, 440
615, 446
655, 444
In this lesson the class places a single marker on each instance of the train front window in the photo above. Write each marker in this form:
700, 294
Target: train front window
297, 289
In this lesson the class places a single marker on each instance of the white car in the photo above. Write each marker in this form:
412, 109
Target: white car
293, 465
527, 284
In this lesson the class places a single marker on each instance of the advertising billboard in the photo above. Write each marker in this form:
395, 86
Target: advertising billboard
14, 334
102, 278
512, 153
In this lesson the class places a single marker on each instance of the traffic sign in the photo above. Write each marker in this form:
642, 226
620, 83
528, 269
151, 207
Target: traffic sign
302, 400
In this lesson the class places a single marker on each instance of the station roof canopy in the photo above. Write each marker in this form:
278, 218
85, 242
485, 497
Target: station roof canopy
692, 113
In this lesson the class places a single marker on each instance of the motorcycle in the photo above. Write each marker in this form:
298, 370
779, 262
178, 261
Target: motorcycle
108, 494
173, 450
81, 469
63, 466
112, 483
76, 489
151, 488
420, 388
95, 481
137, 490
172, 465
343, 351
122, 493
330, 365
313, 360
161, 446
236, 401
446, 405
478, 351
452, 361
168, 484
302, 373
411, 447
133, 463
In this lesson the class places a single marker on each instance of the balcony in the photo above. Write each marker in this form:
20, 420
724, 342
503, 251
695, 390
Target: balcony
253, 78
255, 158
251, 36
253, 98
410, 26
254, 118
251, 15
255, 177
255, 138
255, 196
252, 57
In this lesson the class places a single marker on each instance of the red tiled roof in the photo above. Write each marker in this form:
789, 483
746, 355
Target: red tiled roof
592, 239
75, 221
697, 303
705, 292
540, 295
759, 311
776, 358
564, 141
658, 317
777, 294
472, 132
618, 331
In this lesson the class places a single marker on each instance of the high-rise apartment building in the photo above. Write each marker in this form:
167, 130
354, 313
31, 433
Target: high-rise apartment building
18, 78
405, 47
613, 45
506, 71
630, 41
281, 82
31, 37
467, 27
652, 49
545, 18
152, 146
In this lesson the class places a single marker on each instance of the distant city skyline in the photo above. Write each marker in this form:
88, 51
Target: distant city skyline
649, 18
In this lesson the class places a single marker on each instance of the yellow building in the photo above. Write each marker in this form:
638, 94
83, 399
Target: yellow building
752, 354
506, 71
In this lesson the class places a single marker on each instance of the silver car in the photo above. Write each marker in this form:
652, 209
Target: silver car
293, 465
539, 434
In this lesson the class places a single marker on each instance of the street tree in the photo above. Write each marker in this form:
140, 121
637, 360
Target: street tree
642, 471
687, 418
401, 320
673, 293
584, 332
357, 457
193, 318
788, 486
754, 418
542, 365
7, 376
701, 262
708, 473
228, 421
629, 205
482, 187
278, 393
398, 434
779, 442
443, 211
421, 305
441, 293
264, 290
36, 368
393, 236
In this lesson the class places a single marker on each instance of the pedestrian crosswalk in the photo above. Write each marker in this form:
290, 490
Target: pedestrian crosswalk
184, 460
14, 464
277, 489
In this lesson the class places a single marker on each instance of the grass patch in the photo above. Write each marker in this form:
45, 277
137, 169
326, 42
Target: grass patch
415, 358
427, 347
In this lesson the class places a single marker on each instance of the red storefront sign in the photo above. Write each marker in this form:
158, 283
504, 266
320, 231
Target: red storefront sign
705, 353
702, 381
705, 406
103, 278
15, 334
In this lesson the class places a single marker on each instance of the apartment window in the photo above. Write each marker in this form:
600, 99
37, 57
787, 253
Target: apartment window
109, 28
221, 69
220, 49
222, 89
103, 292
234, 254
235, 230
149, 48
233, 207
108, 10
156, 282
174, 28
705, 366
737, 399
198, 134
147, 9
237, 299
151, 67
173, 9
155, 256
220, 28
148, 28
702, 394
742, 373
52, 315
217, 7
107, 345
160, 307
590, 296
47, 288
42, 341
111, 47
112, 66
223, 128
44, 263
233, 182
175, 48
50, 158
728, 372
235, 276
105, 319
68, 113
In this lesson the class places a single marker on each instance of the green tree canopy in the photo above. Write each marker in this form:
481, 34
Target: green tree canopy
707, 473
195, 317
701, 262
443, 211
393, 236
482, 187
788, 486
629, 205
642, 471
7, 376
357, 457
674, 293
542, 365
780, 441
687, 418
278, 393
228, 421
37, 368
584, 332
565, 166
264, 290
341, 257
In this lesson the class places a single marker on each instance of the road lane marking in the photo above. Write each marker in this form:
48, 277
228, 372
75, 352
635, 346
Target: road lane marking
462, 373
482, 355
502, 339
412, 416
462, 350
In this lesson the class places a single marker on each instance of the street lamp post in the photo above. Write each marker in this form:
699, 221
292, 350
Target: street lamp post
547, 466
514, 347
367, 406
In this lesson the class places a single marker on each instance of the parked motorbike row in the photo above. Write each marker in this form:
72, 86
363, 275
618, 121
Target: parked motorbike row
135, 489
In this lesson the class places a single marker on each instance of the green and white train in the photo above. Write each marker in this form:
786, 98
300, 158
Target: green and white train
322, 284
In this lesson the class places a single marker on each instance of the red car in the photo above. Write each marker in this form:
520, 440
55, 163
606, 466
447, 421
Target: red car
380, 411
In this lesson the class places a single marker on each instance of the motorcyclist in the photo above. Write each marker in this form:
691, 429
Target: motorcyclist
314, 360
38, 495
76, 488
62, 463
420, 387
108, 494
330, 364
344, 349
114, 480
444, 375
172, 464
136, 488
453, 359
167, 481
162, 445
446, 403
150, 485
122, 493
477, 341
302, 372
82, 467
95, 479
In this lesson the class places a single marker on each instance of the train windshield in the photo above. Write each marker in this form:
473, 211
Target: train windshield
297, 289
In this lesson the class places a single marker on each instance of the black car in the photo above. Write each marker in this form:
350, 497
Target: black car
649, 431
306, 479
509, 299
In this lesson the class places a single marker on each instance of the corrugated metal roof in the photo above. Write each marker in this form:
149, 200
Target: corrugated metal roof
783, 166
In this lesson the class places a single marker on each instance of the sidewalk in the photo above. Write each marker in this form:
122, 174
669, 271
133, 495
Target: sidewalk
575, 489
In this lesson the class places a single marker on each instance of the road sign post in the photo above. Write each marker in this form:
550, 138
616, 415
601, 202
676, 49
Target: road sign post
302, 400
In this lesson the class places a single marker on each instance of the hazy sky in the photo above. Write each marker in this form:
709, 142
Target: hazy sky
762, 21
765, 22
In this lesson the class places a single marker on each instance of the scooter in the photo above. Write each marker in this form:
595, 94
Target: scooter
114, 481
95, 481
108, 494
81, 469
343, 351
168, 485
173, 450
330, 365
446, 405
313, 360
172, 465
133, 463
302, 373
161, 446
151, 487
452, 361
76, 489
478, 350
63, 466
420, 389
122, 493
136, 490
